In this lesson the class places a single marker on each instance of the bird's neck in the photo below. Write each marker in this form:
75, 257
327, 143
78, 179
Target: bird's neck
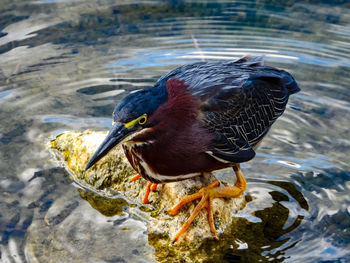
178, 114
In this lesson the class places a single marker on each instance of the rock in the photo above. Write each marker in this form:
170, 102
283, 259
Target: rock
114, 172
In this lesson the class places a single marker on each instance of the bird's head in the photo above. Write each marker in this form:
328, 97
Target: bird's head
130, 116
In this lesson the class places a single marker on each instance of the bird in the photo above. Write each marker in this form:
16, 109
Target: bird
196, 119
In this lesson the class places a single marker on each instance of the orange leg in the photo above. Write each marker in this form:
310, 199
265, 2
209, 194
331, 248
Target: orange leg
150, 187
136, 177
154, 187
207, 194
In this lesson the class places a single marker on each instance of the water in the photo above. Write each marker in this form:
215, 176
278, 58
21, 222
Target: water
65, 64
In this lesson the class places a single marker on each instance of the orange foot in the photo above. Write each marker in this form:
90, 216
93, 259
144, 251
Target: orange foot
150, 187
207, 194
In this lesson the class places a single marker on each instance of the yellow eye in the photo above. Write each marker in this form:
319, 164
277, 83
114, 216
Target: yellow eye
142, 120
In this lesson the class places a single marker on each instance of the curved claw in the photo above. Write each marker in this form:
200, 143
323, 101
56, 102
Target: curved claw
211, 219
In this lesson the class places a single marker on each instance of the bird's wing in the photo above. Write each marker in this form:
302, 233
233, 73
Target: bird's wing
242, 110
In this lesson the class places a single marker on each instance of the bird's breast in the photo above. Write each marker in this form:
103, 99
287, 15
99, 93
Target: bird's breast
148, 169
160, 163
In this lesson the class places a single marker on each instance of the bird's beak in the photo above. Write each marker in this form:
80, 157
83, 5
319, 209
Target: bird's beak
116, 135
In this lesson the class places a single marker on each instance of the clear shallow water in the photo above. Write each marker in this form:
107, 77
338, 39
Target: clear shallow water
65, 64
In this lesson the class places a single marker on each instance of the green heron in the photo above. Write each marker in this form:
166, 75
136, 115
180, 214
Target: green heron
196, 119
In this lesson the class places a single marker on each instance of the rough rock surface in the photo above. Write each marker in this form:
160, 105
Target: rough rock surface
114, 172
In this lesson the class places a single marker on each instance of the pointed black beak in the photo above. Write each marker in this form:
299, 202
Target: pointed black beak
116, 135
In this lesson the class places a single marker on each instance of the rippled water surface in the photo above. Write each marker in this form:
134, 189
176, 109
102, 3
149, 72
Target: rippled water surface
65, 64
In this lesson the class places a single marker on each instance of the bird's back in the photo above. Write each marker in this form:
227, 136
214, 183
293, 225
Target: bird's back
208, 78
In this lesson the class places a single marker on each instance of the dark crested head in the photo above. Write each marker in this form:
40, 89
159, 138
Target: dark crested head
130, 115
141, 102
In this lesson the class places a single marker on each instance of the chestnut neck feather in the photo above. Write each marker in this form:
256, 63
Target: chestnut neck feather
179, 140
179, 115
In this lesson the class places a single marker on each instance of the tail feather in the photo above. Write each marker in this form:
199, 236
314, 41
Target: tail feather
279, 77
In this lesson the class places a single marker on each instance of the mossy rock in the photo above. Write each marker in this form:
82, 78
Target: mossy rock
113, 172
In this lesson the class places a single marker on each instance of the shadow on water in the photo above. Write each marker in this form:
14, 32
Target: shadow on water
65, 64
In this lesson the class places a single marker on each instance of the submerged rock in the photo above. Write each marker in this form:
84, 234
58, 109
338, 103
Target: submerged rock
114, 172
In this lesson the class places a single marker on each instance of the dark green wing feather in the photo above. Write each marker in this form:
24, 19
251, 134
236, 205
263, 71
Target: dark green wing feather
241, 116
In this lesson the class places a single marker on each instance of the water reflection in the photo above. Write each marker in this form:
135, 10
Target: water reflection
106, 206
65, 64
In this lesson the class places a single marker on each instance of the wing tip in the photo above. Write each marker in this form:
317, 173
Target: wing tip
291, 84
237, 157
